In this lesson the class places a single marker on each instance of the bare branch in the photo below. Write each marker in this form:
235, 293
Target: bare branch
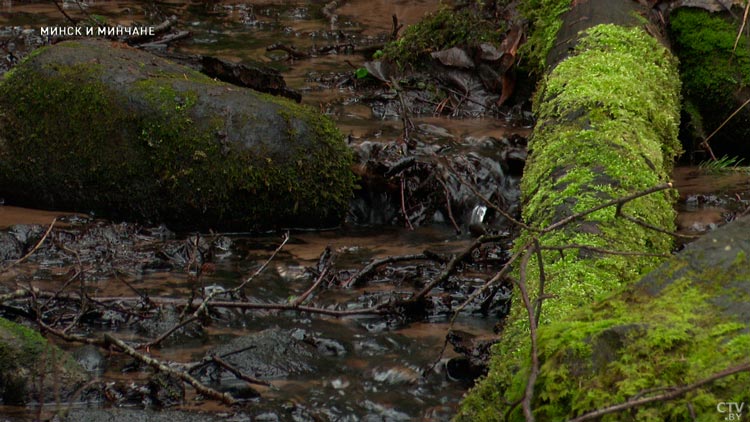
225, 398
673, 394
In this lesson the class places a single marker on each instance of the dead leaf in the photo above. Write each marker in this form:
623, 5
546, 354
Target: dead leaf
512, 40
489, 52
378, 70
454, 57
509, 85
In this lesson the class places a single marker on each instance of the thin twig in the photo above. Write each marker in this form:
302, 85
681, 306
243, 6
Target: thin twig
731, 116
298, 301
60, 8
613, 202
403, 205
203, 307
448, 206
237, 373
489, 203
528, 394
497, 277
452, 264
652, 227
542, 280
34, 249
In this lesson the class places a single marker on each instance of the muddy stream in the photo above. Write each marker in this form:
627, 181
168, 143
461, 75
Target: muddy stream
355, 368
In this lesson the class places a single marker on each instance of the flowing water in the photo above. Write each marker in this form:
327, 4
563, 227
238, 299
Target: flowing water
377, 369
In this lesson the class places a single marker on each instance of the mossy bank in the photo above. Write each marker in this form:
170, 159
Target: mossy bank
99, 127
608, 118
716, 78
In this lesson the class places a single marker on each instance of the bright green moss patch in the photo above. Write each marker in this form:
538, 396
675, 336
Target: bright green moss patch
680, 324
607, 127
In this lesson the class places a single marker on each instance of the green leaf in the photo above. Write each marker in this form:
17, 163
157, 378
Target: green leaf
361, 73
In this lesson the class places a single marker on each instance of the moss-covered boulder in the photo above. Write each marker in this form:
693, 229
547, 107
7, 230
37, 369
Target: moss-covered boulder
716, 79
679, 325
98, 126
32, 369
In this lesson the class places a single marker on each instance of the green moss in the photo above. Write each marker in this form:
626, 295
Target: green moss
440, 30
635, 341
545, 20
713, 78
607, 127
74, 160
710, 70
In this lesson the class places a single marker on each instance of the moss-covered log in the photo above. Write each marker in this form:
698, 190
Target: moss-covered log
98, 126
608, 115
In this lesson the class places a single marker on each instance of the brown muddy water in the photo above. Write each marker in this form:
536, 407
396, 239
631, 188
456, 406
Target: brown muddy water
379, 374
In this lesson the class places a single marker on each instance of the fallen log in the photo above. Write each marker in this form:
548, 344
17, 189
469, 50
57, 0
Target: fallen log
608, 115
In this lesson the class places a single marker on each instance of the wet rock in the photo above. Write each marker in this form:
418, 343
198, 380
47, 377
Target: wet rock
10, 248
269, 354
174, 146
379, 412
27, 234
90, 359
396, 375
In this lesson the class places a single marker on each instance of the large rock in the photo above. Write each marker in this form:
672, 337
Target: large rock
98, 126
32, 369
